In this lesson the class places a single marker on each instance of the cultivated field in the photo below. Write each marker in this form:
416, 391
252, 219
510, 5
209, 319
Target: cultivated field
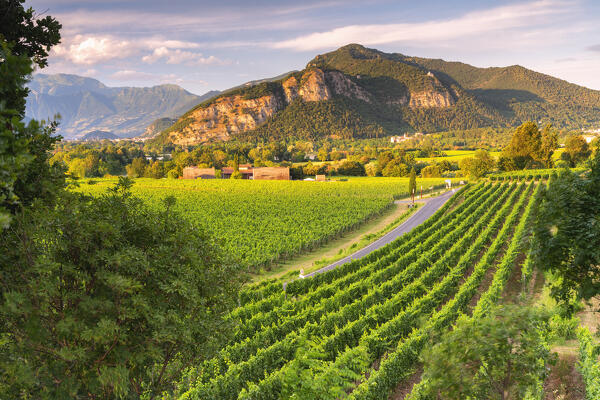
340, 324
258, 222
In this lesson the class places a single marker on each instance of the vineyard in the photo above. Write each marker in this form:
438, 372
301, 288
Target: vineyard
358, 330
258, 223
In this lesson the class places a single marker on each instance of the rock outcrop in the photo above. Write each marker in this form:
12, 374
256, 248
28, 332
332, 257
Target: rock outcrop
233, 114
227, 115
344, 86
436, 96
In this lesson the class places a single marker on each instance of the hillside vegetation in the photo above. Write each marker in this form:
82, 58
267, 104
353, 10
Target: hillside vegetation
356, 92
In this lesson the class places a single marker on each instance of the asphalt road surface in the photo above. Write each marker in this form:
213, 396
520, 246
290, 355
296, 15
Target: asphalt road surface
431, 205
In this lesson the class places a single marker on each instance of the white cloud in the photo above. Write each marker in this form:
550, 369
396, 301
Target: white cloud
178, 56
494, 21
94, 49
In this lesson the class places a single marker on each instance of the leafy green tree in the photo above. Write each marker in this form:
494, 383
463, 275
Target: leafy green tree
498, 356
576, 150
77, 168
137, 168
549, 143
412, 184
431, 171
323, 155
30, 36
236, 163
395, 168
336, 156
351, 168
155, 170
107, 298
477, 166
567, 234
236, 175
25, 174
371, 169
529, 147
14, 155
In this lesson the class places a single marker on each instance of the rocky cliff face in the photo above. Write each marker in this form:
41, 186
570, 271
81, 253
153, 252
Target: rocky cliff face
233, 114
436, 96
227, 115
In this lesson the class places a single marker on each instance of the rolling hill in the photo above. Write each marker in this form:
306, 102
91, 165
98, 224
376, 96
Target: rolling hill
357, 92
87, 105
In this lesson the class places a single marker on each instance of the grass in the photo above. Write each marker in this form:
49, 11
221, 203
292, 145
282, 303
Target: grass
454, 156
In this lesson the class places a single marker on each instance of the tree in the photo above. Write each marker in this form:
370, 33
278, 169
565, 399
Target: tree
25, 174
567, 234
121, 301
137, 168
412, 184
236, 163
431, 171
576, 150
529, 147
549, 143
395, 168
477, 166
351, 168
336, 155
30, 37
498, 356
323, 154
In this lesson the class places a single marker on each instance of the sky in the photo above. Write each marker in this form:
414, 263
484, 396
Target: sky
214, 45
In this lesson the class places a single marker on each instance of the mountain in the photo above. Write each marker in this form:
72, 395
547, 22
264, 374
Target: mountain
99, 135
157, 126
357, 92
87, 105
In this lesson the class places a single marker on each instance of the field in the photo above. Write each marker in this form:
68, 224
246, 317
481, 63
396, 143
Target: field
455, 156
332, 331
259, 222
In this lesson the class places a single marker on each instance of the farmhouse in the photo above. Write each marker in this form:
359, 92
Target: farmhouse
272, 173
195, 173
245, 169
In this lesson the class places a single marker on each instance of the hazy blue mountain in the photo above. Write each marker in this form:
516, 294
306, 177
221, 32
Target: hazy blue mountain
86, 105
99, 135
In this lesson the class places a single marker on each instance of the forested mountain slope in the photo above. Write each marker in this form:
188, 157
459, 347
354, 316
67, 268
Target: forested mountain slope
356, 92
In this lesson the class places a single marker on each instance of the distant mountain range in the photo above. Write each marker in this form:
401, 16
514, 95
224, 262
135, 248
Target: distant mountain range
357, 92
86, 105
99, 135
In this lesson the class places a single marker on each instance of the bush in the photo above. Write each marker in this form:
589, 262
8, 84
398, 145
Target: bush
122, 300
351, 168
172, 174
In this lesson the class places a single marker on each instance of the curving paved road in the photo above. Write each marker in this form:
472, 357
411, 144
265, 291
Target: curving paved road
432, 204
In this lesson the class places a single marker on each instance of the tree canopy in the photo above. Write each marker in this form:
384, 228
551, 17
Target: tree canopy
529, 147
30, 36
567, 233
120, 302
